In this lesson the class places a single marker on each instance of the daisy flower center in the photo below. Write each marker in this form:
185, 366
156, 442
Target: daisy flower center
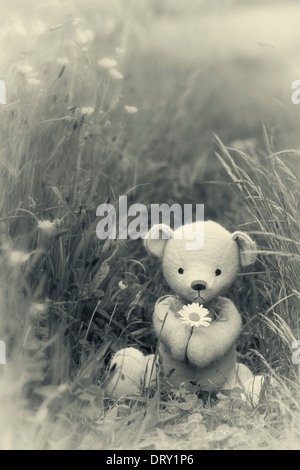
194, 316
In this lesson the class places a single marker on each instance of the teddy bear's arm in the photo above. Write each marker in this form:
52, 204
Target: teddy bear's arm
207, 345
169, 327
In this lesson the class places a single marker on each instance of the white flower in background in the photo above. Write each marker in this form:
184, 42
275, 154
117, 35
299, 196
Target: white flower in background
18, 257
120, 51
107, 63
46, 226
37, 309
116, 74
77, 20
57, 26
84, 35
62, 60
110, 24
24, 68
87, 110
19, 29
33, 81
265, 43
122, 286
130, 109
39, 27
195, 315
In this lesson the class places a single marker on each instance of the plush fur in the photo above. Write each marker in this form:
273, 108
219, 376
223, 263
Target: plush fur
203, 358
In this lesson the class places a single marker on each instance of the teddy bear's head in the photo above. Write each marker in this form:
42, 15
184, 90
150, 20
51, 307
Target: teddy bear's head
204, 273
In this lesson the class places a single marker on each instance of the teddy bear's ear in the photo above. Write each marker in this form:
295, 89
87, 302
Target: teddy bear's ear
156, 239
247, 248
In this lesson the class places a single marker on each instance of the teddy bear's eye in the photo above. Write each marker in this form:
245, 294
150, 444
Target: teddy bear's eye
218, 272
180, 270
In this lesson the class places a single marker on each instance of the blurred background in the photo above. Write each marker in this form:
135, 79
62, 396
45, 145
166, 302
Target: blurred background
236, 57
78, 131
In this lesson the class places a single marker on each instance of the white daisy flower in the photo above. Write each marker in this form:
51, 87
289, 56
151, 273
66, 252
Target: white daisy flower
116, 74
84, 35
195, 315
38, 309
24, 68
265, 43
46, 227
122, 285
18, 257
19, 29
77, 20
120, 51
62, 60
130, 109
33, 81
107, 63
87, 110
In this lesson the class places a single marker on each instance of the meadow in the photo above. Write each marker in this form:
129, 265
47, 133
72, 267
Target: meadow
95, 112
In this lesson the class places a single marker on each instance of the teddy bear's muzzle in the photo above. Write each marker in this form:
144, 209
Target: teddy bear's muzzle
199, 285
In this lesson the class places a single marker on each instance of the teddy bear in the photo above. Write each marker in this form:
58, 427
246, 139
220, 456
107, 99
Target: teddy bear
196, 327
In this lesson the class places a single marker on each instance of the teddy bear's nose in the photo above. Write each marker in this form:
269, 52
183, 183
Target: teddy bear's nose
199, 285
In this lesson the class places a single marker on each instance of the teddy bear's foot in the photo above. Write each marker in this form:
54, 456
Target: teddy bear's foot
130, 372
250, 385
252, 389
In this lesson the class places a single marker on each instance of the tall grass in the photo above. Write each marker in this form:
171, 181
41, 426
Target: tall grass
69, 300
270, 190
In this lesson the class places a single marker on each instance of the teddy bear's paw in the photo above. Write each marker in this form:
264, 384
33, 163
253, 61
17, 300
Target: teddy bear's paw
127, 373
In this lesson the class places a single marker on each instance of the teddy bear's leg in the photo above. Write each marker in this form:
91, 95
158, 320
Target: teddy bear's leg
129, 372
251, 385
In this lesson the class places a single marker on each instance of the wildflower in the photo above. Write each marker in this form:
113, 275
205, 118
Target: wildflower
87, 110
19, 29
77, 20
39, 27
38, 307
84, 35
116, 74
33, 81
23, 68
107, 63
122, 286
120, 51
62, 60
18, 257
46, 226
110, 24
130, 109
57, 26
195, 315
265, 43
39, 310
